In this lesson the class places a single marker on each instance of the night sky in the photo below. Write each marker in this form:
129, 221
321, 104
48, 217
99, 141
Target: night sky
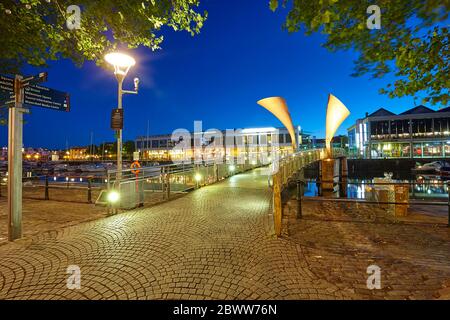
241, 55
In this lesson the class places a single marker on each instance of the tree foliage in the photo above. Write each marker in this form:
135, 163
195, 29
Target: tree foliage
32, 32
412, 44
35, 31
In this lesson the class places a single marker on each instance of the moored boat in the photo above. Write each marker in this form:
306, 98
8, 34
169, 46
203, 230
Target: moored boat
430, 168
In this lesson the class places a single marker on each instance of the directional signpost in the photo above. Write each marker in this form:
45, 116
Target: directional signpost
46, 98
16, 93
6, 90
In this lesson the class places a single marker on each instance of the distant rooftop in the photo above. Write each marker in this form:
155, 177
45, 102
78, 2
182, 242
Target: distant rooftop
416, 110
381, 113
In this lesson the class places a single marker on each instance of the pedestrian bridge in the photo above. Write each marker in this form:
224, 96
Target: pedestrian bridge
170, 179
213, 243
287, 169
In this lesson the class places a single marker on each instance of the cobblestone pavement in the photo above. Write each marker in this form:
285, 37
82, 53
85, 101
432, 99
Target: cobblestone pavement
414, 257
66, 207
215, 243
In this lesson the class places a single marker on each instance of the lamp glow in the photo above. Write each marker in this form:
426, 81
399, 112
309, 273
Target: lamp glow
232, 168
198, 177
113, 196
120, 60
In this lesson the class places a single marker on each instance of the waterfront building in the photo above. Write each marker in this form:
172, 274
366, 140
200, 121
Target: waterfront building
252, 141
36, 154
32, 154
340, 141
416, 133
77, 153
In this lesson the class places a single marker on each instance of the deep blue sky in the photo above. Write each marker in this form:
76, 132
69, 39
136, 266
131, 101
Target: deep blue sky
241, 56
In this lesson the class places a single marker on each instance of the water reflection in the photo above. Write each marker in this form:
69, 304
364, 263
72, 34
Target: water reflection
422, 187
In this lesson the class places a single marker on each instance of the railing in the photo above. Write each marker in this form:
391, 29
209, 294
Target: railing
87, 184
286, 170
163, 179
400, 196
168, 179
289, 165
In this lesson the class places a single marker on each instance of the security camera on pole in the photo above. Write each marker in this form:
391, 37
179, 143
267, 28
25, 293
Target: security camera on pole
122, 64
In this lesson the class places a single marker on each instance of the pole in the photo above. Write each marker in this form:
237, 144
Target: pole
299, 199
91, 147
146, 142
119, 134
15, 137
167, 184
89, 196
163, 182
46, 196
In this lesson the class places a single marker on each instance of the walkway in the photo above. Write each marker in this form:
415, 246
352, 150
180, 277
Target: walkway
214, 243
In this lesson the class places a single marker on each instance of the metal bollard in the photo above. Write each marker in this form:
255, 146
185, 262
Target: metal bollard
163, 182
89, 191
299, 199
168, 185
46, 196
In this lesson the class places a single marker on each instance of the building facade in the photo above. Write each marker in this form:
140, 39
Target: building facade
416, 133
251, 141
77, 153
340, 141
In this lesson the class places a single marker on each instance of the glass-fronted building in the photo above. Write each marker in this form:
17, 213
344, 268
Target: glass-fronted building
417, 133
249, 140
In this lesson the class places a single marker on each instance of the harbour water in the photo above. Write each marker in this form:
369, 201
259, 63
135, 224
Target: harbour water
421, 187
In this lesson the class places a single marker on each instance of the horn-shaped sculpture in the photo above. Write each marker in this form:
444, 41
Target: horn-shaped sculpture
278, 107
337, 112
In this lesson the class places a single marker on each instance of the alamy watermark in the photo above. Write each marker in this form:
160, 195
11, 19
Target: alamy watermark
232, 146
74, 279
374, 20
73, 21
374, 279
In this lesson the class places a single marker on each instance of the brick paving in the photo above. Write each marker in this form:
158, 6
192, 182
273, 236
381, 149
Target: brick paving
339, 241
66, 207
217, 243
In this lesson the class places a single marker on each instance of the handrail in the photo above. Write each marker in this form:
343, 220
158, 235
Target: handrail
284, 170
440, 183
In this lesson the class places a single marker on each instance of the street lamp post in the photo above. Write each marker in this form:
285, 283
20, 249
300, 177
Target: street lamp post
122, 64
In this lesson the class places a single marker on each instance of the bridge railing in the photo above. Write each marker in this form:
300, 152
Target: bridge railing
289, 165
167, 180
286, 169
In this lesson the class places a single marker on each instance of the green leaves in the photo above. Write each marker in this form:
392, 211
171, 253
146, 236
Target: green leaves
273, 4
38, 34
417, 55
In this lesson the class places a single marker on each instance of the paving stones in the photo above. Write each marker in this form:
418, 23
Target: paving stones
215, 243
414, 258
